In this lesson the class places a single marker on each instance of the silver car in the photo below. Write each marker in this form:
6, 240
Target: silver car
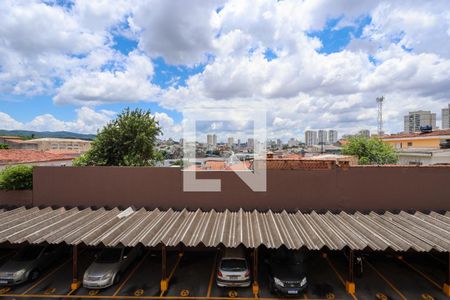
28, 263
233, 269
108, 266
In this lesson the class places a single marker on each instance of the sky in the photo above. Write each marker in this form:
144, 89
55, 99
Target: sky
312, 64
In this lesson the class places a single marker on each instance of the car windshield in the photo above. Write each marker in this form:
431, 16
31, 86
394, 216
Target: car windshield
28, 253
288, 258
108, 256
233, 265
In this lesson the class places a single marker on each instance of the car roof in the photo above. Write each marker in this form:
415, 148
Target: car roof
230, 253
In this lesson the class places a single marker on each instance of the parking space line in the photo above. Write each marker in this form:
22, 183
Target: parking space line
211, 277
387, 281
131, 274
437, 259
56, 296
421, 273
180, 256
46, 276
341, 279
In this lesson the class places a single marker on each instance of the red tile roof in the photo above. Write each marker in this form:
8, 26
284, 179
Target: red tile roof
418, 134
10, 156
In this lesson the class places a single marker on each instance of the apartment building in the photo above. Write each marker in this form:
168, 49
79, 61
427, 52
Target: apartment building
310, 137
446, 118
332, 136
415, 119
322, 137
364, 133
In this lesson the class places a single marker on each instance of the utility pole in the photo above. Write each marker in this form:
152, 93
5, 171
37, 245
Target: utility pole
380, 115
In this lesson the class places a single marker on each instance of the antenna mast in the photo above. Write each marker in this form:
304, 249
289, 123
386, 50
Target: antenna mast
380, 115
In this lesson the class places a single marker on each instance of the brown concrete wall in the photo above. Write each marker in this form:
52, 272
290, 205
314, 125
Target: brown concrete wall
364, 189
16, 198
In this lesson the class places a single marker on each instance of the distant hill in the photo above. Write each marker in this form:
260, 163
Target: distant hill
48, 134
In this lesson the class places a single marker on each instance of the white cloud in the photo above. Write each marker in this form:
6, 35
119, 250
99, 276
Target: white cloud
67, 53
94, 87
87, 121
179, 31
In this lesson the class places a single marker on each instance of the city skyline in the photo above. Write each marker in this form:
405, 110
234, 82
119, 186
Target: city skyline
324, 71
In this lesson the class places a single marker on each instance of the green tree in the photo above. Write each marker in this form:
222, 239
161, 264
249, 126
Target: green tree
18, 177
4, 146
370, 151
128, 140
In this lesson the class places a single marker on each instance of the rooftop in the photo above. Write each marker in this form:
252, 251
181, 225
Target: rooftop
59, 140
436, 133
11, 156
398, 231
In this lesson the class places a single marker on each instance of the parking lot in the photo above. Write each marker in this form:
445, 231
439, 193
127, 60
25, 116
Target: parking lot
192, 275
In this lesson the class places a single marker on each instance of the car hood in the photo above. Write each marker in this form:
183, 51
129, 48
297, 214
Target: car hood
12, 266
97, 269
288, 272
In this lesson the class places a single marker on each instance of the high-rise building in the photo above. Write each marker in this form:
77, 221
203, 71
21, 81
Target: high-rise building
250, 143
446, 118
415, 119
322, 136
364, 133
211, 140
279, 143
292, 142
332, 136
230, 142
310, 137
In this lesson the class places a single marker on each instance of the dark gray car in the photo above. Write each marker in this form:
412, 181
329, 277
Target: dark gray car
29, 263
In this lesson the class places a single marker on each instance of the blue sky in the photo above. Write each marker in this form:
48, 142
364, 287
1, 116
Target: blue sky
320, 64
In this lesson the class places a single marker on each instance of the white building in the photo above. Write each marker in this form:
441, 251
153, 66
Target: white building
332, 136
322, 137
279, 143
423, 156
364, 133
211, 140
415, 119
292, 142
446, 118
310, 137
250, 143
230, 142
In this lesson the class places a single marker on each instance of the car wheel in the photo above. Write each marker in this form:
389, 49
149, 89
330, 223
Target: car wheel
33, 275
117, 278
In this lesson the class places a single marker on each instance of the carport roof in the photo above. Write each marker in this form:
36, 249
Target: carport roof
401, 232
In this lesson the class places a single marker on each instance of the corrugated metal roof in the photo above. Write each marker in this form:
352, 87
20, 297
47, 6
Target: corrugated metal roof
403, 231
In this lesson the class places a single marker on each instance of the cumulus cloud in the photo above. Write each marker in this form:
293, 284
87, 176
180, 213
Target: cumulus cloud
401, 53
87, 121
94, 87
179, 31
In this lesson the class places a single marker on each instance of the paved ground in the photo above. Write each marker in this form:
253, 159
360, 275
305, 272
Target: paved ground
192, 275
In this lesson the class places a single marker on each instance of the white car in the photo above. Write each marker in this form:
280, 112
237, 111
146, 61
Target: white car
108, 267
233, 269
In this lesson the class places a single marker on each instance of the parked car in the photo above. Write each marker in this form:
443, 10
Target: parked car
29, 263
108, 266
233, 269
287, 272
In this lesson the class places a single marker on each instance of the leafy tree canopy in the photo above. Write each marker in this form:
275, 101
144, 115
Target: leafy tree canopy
128, 140
370, 151
18, 177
